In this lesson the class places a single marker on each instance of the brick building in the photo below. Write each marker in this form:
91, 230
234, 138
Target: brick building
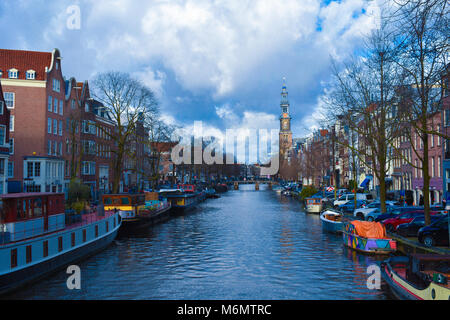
33, 87
4, 143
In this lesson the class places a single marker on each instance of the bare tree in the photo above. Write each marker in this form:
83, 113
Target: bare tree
128, 101
422, 28
362, 97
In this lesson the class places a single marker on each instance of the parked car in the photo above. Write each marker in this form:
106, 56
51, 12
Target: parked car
406, 217
436, 234
349, 207
394, 212
411, 229
346, 197
362, 213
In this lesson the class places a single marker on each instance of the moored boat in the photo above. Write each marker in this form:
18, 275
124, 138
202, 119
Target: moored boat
418, 277
314, 205
38, 237
368, 237
138, 210
183, 198
331, 221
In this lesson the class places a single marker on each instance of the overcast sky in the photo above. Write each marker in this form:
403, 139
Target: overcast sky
220, 62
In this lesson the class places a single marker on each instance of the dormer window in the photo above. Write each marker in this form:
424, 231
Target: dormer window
31, 75
13, 73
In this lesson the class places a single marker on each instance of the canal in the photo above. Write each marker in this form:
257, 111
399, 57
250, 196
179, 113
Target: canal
246, 245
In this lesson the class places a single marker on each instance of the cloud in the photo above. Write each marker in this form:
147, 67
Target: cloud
217, 61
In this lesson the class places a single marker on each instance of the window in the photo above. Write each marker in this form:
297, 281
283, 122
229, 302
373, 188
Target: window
439, 167
50, 99
56, 85
2, 135
447, 117
11, 123
45, 246
2, 166
28, 254
49, 147
37, 207
55, 126
60, 244
37, 169
11, 146
13, 73
72, 104
1, 107
55, 106
31, 75
30, 169
60, 127
13, 258
49, 125
433, 168
60, 152
11, 169
9, 99
61, 107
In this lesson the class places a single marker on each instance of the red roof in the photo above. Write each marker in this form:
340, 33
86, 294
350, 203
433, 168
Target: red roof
24, 61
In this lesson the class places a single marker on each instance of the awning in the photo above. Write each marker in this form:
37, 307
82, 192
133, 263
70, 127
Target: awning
364, 183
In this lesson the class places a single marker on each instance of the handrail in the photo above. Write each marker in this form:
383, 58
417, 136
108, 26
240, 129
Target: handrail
28, 233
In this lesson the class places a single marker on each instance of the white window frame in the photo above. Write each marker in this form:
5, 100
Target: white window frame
13, 73
3, 127
55, 127
11, 123
31, 75
50, 104
56, 85
61, 107
13, 94
60, 130
55, 105
2, 105
49, 125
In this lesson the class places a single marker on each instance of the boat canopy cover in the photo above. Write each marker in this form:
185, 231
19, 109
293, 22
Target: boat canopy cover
367, 229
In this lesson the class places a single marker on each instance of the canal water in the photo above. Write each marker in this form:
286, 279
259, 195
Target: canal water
246, 245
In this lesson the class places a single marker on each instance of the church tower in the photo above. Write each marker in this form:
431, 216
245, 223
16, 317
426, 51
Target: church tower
285, 137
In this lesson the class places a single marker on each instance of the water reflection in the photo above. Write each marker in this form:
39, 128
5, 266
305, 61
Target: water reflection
245, 245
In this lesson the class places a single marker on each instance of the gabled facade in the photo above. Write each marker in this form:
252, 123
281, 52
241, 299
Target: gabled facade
33, 87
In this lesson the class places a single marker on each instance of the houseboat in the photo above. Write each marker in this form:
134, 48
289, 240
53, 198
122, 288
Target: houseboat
368, 237
138, 210
38, 237
314, 205
331, 221
184, 197
418, 277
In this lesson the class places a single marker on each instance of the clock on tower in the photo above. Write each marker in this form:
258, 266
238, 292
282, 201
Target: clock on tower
285, 138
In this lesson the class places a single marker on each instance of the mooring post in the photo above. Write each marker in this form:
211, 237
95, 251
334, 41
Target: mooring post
256, 185
236, 185
270, 185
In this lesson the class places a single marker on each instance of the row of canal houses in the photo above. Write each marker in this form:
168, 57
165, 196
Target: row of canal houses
51, 128
318, 162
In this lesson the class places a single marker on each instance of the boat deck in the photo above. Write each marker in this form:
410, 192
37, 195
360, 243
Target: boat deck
89, 218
